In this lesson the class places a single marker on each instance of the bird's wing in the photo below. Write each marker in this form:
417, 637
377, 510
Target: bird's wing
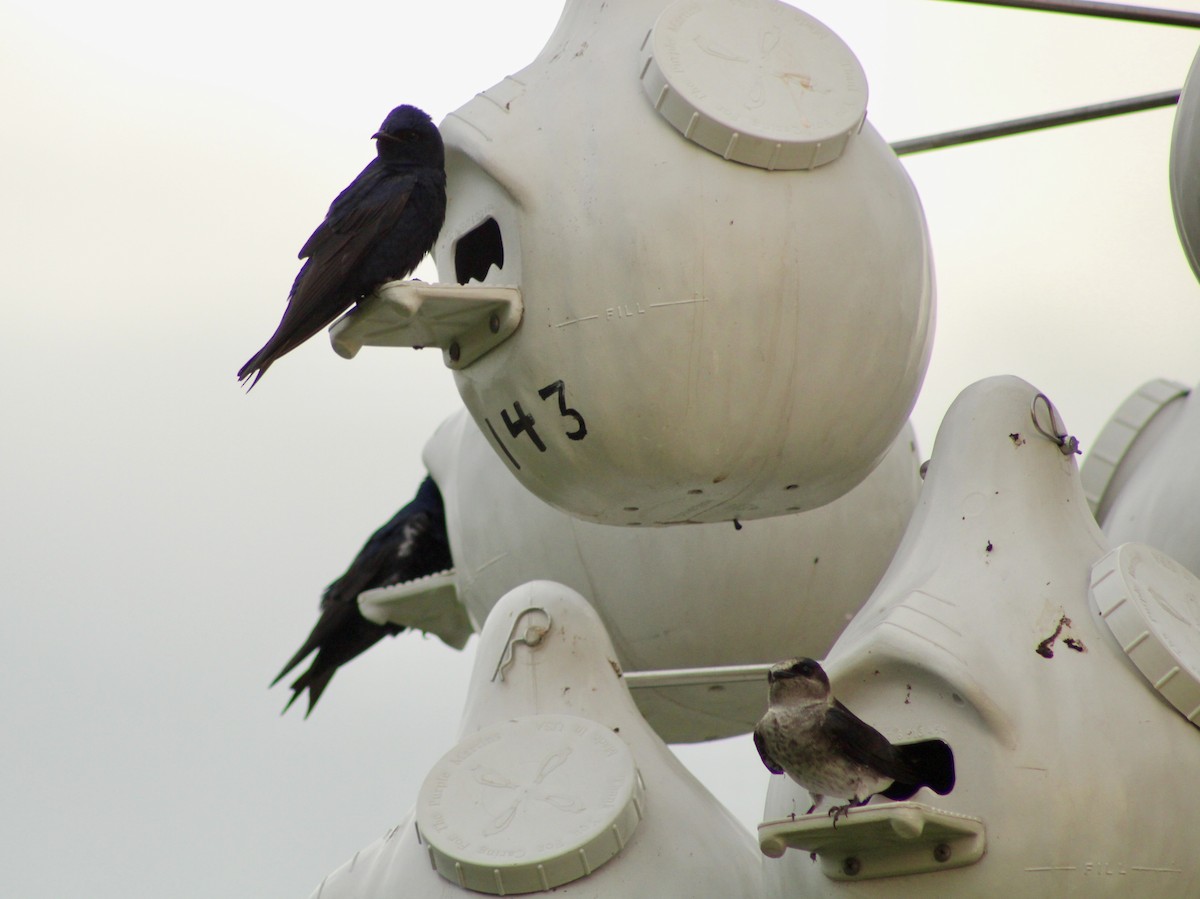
926, 763
412, 544
858, 741
761, 745
337, 250
377, 194
335, 274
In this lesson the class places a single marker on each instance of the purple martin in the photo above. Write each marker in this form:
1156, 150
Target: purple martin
376, 231
823, 746
412, 544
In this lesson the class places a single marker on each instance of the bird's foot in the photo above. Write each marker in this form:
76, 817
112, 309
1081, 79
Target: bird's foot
839, 811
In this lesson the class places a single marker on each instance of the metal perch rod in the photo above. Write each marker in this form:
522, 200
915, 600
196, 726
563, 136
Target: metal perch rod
1035, 122
1124, 11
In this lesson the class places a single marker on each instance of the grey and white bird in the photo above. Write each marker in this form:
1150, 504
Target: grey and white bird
825, 748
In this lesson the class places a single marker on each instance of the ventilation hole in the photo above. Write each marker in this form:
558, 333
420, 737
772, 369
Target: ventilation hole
477, 251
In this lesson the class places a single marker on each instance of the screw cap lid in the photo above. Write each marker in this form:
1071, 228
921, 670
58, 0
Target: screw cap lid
760, 83
530, 804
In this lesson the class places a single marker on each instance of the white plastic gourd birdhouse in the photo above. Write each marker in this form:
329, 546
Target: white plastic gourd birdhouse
678, 597
1051, 664
1185, 167
556, 783
1141, 476
724, 272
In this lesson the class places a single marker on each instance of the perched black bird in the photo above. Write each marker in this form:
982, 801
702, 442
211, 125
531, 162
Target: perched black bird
376, 231
824, 747
412, 545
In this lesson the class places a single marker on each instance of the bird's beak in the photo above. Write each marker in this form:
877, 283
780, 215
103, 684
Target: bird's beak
382, 135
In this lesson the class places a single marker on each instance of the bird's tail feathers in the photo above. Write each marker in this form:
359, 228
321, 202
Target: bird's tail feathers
251, 373
314, 680
290, 334
928, 763
302, 653
249, 377
295, 695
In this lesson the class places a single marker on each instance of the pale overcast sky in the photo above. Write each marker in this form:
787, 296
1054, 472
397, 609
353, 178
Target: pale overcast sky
166, 537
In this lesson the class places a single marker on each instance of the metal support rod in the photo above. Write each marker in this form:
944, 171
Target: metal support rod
1124, 11
696, 677
1036, 122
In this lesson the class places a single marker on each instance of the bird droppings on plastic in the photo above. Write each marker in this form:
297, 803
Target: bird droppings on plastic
1017, 439
615, 667
989, 547
1046, 648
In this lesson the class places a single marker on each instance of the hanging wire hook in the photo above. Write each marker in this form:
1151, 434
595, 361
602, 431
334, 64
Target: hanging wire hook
532, 637
1058, 431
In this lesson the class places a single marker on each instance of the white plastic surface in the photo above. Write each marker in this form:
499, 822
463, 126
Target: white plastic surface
764, 84
683, 596
686, 844
1114, 446
530, 804
428, 604
879, 840
466, 321
1152, 605
1185, 167
982, 634
701, 341
1155, 495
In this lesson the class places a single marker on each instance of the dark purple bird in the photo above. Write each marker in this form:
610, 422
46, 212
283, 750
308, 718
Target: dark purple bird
412, 544
830, 751
376, 231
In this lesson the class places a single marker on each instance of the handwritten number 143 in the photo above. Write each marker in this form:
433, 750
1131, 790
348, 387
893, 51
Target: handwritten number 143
523, 422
